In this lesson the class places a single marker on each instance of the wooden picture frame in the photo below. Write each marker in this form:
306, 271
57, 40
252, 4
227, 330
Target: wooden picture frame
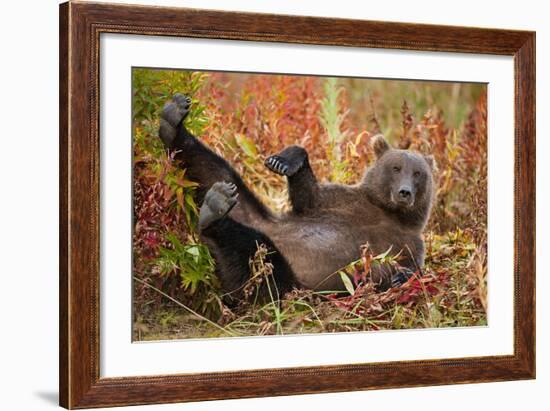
80, 27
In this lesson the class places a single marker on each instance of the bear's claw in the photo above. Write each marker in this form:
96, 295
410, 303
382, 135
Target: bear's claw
218, 202
277, 165
401, 277
288, 162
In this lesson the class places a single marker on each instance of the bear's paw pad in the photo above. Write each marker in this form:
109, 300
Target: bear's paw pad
176, 109
218, 202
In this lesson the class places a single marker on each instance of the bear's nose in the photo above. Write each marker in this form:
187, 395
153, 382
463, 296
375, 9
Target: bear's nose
405, 193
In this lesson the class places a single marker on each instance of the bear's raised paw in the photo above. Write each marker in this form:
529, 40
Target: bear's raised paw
173, 113
288, 162
218, 202
277, 165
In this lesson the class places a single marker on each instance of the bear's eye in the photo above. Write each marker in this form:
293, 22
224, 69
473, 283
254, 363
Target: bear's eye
396, 169
416, 174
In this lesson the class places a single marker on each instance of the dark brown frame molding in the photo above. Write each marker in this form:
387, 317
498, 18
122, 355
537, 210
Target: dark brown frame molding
81, 24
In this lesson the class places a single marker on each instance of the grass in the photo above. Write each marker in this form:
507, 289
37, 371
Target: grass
247, 117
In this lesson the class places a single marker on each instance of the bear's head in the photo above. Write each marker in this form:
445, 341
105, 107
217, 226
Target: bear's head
400, 181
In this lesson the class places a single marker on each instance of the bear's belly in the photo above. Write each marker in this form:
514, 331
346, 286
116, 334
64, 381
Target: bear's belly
316, 252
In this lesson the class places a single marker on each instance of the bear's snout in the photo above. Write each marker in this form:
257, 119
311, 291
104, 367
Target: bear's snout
405, 196
404, 193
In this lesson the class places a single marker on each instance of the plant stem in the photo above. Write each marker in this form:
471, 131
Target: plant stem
183, 306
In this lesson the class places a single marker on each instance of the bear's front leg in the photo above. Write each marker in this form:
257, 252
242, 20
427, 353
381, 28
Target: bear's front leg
401, 276
288, 162
386, 276
303, 188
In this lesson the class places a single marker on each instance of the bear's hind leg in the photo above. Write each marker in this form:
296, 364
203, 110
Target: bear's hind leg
303, 188
172, 116
218, 202
234, 244
203, 165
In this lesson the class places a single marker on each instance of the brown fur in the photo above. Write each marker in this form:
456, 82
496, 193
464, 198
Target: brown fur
328, 224
320, 240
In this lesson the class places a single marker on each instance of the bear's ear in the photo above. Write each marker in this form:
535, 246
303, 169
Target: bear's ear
380, 145
431, 161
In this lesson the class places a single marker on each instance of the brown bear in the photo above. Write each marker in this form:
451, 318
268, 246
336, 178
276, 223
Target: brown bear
328, 223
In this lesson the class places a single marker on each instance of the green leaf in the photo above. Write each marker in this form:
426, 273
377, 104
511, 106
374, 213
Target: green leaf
194, 251
384, 254
247, 145
179, 196
347, 282
190, 201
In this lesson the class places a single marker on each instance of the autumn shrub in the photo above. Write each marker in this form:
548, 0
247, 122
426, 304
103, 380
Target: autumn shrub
166, 249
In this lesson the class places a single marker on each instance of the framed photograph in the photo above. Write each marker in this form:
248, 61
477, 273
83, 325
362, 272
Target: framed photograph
258, 205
